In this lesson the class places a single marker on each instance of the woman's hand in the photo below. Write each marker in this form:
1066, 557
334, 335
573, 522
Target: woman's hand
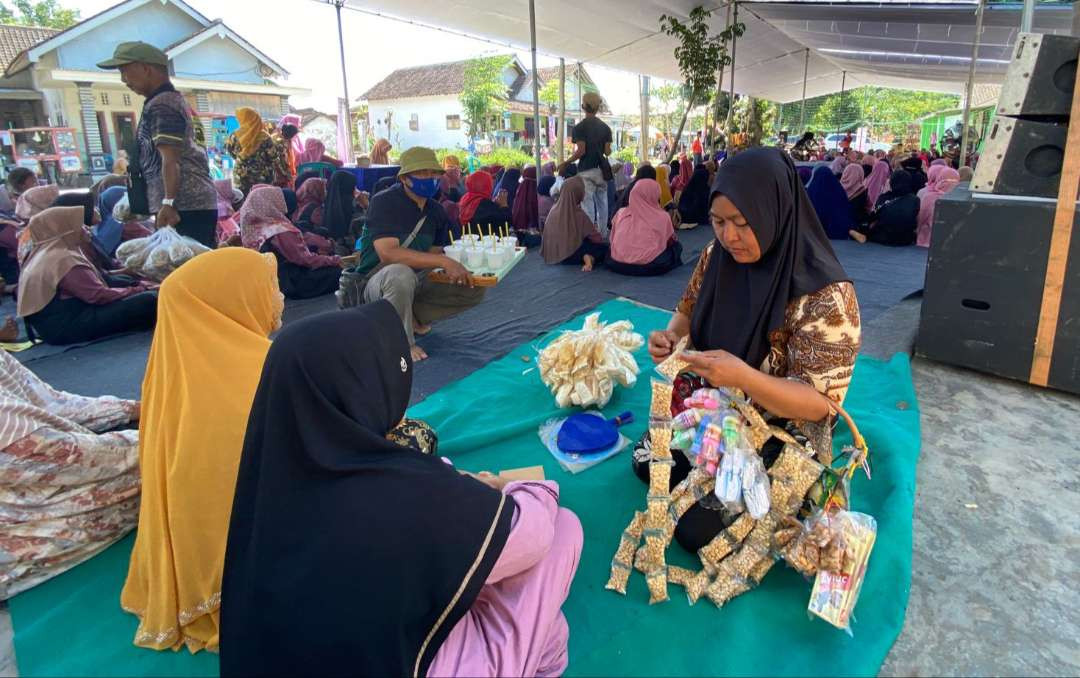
661, 344
491, 480
719, 368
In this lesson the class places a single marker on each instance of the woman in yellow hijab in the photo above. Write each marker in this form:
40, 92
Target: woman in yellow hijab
215, 315
260, 159
665, 185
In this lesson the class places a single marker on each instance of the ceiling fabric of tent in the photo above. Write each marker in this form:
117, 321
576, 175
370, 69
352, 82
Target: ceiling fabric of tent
917, 45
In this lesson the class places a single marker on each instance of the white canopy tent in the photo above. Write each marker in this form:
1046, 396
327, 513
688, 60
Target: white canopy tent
918, 45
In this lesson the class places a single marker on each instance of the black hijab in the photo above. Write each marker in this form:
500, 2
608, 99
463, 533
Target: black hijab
339, 206
643, 172
290, 201
509, 182
347, 553
83, 199
383, 183
739, 304
694, 201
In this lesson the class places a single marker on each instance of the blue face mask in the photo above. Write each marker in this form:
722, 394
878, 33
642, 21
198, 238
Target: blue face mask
425, 188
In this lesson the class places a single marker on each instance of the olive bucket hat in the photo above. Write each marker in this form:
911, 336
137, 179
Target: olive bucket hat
135, 53
418, 159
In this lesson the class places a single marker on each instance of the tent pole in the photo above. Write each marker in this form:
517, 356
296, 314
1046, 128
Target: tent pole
971, 81
731, 97
1027, 16
344, 78
535, 87
720, 77
562, 109
802, 116
843, 86
644, 82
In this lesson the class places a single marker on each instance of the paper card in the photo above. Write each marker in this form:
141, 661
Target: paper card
523, 473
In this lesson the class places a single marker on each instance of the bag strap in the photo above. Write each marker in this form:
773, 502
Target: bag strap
416, 231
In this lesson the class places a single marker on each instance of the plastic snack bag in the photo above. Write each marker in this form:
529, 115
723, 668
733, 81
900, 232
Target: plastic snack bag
755, 487
835, 593
158, 255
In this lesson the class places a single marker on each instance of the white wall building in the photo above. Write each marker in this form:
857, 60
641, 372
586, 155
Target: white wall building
216, 69
420, 106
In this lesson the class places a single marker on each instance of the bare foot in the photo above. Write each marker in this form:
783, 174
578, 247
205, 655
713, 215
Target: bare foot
418, 354
856, 236
420, 329
589, 261
9, 331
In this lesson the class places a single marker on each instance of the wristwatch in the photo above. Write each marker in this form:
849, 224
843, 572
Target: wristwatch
167, 202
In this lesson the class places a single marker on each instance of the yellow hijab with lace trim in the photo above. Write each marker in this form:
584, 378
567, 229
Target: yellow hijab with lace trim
252, 132
215, 314
665, 185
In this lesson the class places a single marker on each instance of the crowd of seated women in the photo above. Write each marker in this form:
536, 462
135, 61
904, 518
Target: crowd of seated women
889, 200
247, 457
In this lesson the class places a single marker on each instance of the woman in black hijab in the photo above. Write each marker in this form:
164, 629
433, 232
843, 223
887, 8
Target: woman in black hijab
336, 563
895, 219
914, 167
694, 200
768, 309
338, 211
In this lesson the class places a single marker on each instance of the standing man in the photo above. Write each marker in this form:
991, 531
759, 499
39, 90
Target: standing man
592, 141
179, 190
697, 149
403, 240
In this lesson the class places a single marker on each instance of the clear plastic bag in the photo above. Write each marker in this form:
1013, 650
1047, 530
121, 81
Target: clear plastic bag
838, 584
158, 255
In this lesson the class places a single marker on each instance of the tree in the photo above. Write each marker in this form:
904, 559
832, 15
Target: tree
549, 93
753, 117
483, 96
699, 54
46, 13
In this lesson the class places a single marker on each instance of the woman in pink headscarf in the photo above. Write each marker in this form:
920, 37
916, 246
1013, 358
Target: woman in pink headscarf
852, 182
289, 130
227, 196
875, 183
315, 151
686, 172
265, 227
643, 239
940, 180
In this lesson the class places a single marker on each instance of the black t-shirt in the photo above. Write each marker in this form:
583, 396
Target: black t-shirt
393, 214
596, 135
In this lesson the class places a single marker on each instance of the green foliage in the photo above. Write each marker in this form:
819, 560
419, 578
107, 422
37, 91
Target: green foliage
699, 54
462, 155
888, 113
753, 117
507, 157
627, 154
549, 93
46, 13
484, 94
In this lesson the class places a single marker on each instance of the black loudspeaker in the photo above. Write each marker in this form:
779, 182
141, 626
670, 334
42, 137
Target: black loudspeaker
1041, 76
984, 288
1021, 157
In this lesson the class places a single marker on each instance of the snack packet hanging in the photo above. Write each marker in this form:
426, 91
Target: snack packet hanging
835, 594
755, 487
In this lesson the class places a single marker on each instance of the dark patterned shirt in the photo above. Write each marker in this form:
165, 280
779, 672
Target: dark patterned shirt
166, 121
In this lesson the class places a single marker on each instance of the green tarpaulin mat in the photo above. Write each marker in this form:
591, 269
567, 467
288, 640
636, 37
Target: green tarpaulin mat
73, 625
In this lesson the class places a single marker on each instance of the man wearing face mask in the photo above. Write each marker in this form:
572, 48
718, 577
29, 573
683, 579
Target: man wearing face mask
403, 241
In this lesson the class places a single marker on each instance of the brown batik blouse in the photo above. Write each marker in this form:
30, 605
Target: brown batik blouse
816, 345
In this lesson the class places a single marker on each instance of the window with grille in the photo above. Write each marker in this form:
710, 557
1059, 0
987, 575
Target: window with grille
453, 122
127, 99
104, 98
414, 122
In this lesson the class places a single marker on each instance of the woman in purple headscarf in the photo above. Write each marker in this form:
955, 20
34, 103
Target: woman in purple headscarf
875, 183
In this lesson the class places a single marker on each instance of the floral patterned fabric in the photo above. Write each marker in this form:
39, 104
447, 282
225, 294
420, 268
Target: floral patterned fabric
269, 164
817, 343
66, 492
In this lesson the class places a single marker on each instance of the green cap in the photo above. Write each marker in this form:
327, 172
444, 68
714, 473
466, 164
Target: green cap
418, 159
135, 53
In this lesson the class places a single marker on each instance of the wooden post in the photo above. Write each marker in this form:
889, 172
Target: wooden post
1058, 257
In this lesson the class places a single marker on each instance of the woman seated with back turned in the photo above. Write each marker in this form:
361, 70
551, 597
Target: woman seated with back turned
643, 239
264, 227
895, 218
478, 210
217, 313
68, 491
63, 296
770, 310
570, 237
453, 575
